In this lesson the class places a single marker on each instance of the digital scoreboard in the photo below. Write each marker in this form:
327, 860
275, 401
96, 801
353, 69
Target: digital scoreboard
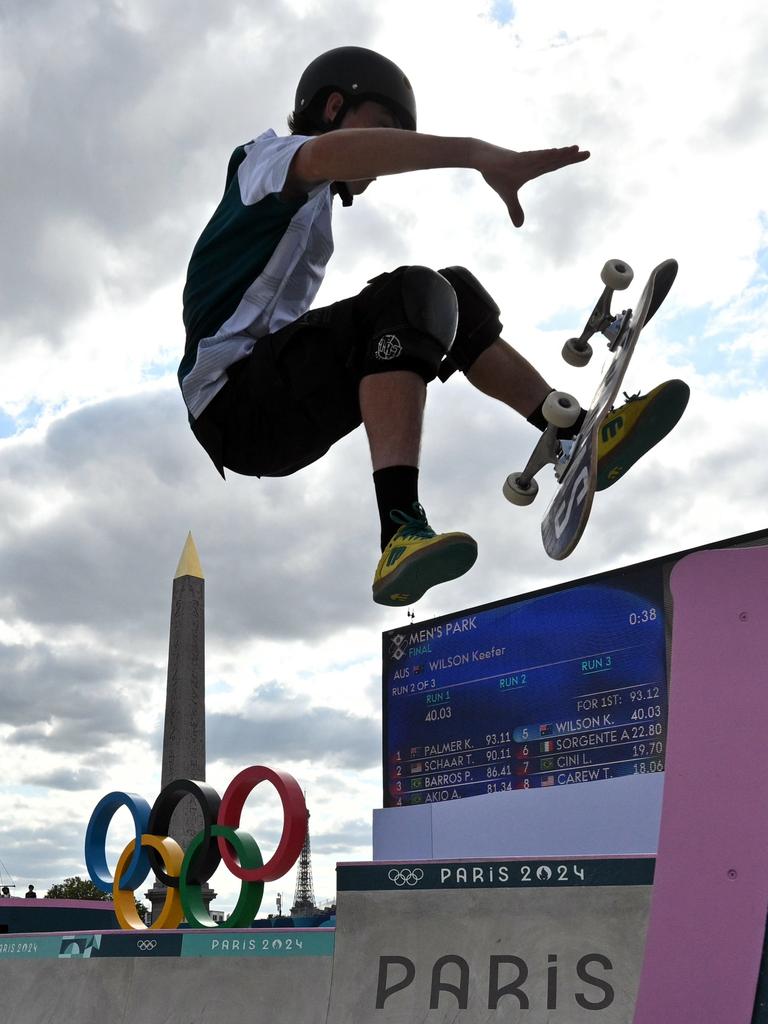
555, 688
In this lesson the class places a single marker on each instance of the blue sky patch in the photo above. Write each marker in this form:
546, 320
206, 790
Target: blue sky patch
570, 321
28, 417
503, 11
7, 424
157, 370
712, 352
219, 687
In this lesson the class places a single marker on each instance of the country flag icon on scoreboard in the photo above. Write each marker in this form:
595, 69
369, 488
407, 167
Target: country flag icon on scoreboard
548, 780
547, 747
545, 730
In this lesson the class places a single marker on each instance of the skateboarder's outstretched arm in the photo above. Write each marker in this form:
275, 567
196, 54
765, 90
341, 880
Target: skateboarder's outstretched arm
363, 154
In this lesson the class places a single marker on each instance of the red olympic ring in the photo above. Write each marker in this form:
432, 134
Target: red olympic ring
294, 822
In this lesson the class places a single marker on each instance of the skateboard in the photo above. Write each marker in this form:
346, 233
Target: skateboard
575, 461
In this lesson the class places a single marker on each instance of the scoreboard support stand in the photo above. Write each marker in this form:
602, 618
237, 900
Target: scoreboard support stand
707, 921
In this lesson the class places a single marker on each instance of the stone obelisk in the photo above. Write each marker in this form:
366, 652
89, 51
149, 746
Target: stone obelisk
184, 730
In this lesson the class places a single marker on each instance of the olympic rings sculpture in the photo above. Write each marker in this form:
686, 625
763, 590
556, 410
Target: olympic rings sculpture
184, 874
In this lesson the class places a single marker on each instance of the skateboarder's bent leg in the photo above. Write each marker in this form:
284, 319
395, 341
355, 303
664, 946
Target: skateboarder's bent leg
488, 362
502, 373
415, 324
394, 440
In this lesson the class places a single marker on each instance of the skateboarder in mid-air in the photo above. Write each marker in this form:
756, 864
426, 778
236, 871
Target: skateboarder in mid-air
271, 384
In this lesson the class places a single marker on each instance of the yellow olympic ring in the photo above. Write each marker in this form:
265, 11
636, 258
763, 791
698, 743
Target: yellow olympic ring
172, 913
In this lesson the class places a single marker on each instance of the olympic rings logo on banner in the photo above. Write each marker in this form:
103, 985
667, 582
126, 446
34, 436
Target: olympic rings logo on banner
406, 876
184, 874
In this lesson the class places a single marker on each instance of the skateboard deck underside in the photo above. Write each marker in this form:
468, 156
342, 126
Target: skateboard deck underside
568, 512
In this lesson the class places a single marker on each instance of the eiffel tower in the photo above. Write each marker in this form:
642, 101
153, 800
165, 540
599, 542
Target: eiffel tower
304, 898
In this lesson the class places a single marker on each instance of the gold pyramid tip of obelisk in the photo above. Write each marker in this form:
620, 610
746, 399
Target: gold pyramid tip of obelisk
189, 563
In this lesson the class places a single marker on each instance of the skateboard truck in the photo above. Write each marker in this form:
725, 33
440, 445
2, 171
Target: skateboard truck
616, 275
560, 410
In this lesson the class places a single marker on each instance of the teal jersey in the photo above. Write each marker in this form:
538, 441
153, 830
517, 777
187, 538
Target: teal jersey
232, 251
256, 266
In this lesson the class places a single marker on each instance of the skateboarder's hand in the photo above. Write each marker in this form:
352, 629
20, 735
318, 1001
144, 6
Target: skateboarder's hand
507, 171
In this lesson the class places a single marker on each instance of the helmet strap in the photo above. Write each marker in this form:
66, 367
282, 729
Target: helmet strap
340, 188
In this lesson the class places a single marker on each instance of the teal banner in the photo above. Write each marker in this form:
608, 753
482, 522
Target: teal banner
263, 942
260, 942
30, 947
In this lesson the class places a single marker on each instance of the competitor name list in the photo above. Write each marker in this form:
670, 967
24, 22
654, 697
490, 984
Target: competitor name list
561, 689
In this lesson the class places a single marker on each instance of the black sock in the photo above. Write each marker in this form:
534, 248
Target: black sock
536, 419
396, 487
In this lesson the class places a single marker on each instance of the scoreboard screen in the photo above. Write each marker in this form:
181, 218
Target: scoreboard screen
560, 687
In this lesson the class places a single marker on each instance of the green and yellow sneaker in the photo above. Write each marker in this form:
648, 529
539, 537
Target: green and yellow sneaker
628, 432
417, 558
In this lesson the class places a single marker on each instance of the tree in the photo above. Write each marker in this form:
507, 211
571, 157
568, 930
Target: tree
76, 889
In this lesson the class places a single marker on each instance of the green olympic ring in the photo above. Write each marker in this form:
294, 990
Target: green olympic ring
251, 893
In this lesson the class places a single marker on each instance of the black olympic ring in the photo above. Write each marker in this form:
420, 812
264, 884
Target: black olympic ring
209, 857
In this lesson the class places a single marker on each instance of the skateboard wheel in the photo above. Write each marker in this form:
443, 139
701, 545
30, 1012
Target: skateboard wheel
576, 355
561, 409
617, 274
517, 494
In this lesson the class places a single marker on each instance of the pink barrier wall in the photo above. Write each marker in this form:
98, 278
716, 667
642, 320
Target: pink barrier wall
710, 894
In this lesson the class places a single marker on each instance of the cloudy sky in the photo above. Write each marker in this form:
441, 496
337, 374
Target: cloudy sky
117, 120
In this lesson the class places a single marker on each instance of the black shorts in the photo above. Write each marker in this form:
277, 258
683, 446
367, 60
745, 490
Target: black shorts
286, 403
296, 394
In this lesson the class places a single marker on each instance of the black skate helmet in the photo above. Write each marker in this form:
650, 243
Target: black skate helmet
357, 72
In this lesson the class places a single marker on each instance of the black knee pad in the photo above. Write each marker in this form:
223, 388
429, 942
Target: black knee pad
411, 316
479, 325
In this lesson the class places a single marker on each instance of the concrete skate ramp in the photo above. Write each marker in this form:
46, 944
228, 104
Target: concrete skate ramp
235, 976
460, 942
534, 941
